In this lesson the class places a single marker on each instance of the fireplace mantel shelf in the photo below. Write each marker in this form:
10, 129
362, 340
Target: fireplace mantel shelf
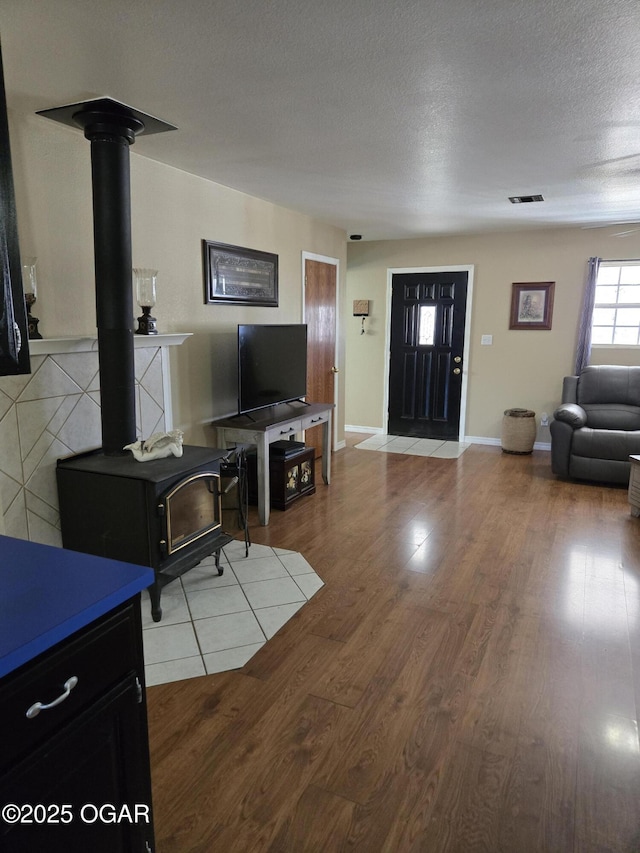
49, 346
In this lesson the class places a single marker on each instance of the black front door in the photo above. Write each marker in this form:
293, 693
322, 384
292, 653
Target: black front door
426, 359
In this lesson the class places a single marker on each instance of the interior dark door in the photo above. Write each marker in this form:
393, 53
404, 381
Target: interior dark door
426, 359
320, 317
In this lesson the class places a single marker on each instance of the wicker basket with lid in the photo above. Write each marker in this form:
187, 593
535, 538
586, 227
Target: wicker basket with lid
518, 431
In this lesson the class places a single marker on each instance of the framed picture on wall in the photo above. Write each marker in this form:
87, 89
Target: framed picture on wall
531, 305
239, 276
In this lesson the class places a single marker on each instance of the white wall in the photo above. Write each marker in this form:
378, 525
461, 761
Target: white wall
521, 368
172, 211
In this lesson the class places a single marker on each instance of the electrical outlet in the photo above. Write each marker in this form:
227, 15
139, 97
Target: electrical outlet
544, 419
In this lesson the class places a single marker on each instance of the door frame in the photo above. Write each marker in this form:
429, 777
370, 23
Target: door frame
324, 259
391, 271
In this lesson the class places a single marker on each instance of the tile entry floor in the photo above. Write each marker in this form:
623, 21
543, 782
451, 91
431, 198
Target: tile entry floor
212, 624
414, 446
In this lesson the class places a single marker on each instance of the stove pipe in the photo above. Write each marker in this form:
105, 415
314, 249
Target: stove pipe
111, 135
111, 127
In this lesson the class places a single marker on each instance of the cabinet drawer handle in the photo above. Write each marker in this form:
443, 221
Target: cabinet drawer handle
285, 431
35, 709
315, 420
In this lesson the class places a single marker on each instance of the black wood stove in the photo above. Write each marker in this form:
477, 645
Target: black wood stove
164, 513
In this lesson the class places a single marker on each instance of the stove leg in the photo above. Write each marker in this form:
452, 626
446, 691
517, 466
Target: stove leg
216, 556
154, 595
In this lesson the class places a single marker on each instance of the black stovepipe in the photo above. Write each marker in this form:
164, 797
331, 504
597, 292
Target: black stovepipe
110, 135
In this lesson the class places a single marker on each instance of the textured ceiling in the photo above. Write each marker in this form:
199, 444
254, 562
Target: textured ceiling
386, 119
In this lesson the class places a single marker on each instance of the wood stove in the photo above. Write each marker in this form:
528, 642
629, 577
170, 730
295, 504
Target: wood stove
165, 513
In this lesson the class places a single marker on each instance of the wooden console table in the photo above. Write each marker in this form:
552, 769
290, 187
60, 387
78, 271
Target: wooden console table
262, 428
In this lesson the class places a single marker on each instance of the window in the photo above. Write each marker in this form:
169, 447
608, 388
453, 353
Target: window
427, 326
616, 312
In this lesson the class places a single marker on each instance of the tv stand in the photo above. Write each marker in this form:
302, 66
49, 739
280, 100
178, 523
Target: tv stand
273, 424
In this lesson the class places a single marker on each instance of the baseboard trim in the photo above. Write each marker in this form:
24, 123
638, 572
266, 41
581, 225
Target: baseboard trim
481, 439
496, 442
374, 430
468, 439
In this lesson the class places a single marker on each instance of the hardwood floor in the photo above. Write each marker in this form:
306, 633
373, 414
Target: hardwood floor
467, 680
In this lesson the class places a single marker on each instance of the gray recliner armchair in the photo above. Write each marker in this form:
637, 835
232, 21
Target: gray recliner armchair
597, 427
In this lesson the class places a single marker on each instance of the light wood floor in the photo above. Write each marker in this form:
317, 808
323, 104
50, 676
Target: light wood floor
467, 680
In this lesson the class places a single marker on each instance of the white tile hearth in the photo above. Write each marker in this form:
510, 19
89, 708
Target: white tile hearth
214, 623
414, 446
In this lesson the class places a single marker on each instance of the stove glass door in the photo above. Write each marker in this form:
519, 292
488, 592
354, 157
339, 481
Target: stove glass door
192, 509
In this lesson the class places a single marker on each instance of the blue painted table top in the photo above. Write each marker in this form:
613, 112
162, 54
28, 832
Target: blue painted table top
47, 593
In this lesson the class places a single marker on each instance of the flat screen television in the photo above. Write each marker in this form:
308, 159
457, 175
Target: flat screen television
272, 365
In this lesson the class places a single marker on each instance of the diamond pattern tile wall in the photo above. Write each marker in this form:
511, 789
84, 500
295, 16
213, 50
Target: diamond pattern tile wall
81, 367
53, 412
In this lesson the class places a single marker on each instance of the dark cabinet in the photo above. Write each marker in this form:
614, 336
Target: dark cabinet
79, 770
291, 476
14, 342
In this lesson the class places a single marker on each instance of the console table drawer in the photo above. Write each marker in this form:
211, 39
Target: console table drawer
285, 430
315, 420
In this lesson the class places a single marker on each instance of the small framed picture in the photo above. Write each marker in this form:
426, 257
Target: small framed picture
531, 305
239, 276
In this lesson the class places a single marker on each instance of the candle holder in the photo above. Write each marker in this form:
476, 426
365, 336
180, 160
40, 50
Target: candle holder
30, 287
146, 297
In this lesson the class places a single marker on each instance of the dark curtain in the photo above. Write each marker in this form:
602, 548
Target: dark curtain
583, 350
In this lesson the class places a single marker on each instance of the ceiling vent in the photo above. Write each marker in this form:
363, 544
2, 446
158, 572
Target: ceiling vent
524, 199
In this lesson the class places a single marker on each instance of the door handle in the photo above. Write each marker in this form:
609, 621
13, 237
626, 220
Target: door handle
335, 370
